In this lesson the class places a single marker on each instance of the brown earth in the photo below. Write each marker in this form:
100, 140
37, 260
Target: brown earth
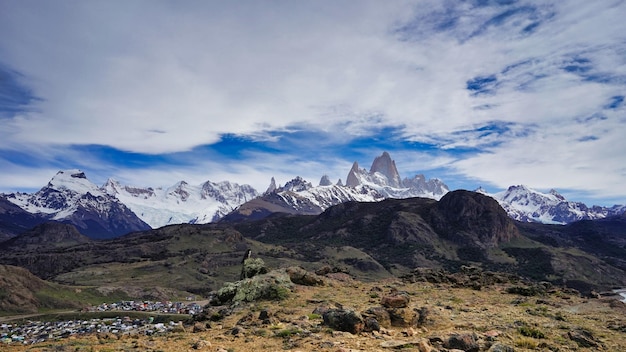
439, 317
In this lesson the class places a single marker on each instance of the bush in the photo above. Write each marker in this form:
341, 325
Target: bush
531, 332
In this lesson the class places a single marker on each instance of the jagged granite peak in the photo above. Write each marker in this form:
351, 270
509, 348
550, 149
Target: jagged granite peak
384, 165
339, 183
433, 188
272, 187
300, 197
385, 179
325, 181
353, 179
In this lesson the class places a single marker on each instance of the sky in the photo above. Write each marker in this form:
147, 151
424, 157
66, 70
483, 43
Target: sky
477, 93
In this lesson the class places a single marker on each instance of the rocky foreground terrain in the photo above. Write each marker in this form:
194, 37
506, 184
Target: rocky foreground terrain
427, 310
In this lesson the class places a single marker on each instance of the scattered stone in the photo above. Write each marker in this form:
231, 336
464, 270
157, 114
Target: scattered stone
396, 300
200, 344
425, 317
238, 331
583, 338
498, 347
397, 343
299, 276
380, 314
492, 334
344, 320
403, 317
342, 277
466, 342
371, 324
200, 327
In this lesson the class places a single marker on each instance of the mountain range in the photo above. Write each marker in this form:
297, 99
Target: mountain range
116, 209
368, 240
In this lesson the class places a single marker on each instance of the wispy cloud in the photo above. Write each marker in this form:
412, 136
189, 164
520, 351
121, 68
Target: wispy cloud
498, 92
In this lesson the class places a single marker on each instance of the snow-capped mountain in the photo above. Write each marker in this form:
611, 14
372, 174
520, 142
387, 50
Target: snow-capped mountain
528, 205
182, 202
115, 209
383, 176
70, 197
301, 197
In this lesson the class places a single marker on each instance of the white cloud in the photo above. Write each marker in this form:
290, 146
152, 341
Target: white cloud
150, 77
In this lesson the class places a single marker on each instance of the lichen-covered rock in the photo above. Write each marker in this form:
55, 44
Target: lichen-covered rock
274, 285
253, 267
344, 320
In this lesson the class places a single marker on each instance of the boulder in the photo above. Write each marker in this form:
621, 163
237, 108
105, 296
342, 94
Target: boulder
402, 317
344, 320
299, 276
380, 314
253, 267
274, 285
396, 300
465, 342
583, 338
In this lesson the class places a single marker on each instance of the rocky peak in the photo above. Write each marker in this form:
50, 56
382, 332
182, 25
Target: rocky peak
557, 194
325, 181
298, 184
482, 219
73, 180
353, 179
272, 187
384, 165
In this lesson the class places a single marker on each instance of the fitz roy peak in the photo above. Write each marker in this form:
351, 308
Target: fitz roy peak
385, 179
116, 209
70, 197
298, 196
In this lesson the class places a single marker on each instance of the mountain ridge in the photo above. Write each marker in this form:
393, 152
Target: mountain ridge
115, 209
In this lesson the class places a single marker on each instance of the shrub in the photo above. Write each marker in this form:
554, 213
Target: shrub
531, 332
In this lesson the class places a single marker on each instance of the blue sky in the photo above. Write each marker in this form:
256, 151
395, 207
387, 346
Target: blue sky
476, 93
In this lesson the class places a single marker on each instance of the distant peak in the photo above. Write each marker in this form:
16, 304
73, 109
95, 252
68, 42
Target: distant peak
353, 176
325, 181
557, 194
73, 173
383, 164
74, 180
272, 186
298, 184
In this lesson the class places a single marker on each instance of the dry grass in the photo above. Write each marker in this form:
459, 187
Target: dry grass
492, 314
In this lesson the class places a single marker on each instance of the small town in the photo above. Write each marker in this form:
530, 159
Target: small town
39, 331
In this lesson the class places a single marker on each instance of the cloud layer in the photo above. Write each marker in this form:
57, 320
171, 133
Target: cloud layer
493, 92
